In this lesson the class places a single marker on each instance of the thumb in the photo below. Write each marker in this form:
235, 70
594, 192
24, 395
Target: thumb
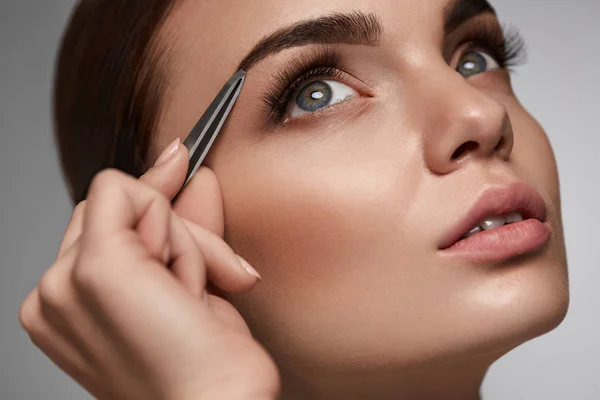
168, 172
201, 202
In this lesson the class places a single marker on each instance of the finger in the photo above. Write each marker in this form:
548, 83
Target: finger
121, 284
169, 176
73, 229
166, 178
119, 205
225, 269
128, 225
61, 308
52, 343
227, 314
185, 258
201, 207
201, 202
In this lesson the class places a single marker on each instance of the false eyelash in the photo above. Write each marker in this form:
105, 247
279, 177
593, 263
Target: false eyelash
321, 62
505, 43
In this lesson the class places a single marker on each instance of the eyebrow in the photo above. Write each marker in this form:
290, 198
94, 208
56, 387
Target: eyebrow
458, 12
354, 28
339, 28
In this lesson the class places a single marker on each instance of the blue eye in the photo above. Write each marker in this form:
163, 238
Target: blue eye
320, 94
476, 62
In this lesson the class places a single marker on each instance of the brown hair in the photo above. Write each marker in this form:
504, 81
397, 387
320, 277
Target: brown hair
109, 81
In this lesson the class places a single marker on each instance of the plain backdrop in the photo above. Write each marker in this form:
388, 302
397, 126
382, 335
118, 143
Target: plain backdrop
560, 85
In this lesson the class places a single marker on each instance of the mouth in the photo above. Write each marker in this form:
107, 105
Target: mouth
504, 222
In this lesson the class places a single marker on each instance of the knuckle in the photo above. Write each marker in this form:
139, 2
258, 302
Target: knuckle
107, 178
158, 204
94, 270
85, 279
79, 209
51, 290
161, 202
28, 318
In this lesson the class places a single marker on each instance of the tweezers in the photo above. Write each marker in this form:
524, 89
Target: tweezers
208, 126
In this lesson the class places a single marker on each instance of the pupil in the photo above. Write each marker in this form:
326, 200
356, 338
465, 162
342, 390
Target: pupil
315, 95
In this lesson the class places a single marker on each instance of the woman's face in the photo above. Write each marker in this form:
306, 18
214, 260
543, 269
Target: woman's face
342, 209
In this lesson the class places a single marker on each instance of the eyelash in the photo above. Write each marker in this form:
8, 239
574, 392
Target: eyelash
506, 45
322, 62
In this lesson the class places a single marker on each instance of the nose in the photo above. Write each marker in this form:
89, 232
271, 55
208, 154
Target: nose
462, 124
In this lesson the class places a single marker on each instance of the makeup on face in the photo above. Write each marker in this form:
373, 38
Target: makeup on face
316, 77
339, 179
503, 222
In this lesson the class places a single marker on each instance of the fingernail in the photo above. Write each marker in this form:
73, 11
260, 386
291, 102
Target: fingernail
249, 268
168, 153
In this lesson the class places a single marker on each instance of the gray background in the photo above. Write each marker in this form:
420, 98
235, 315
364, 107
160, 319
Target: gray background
559, 85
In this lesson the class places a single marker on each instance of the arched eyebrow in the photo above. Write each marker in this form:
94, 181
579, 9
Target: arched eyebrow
349, 28
339, 28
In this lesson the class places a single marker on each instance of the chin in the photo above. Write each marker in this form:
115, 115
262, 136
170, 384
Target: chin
524, 298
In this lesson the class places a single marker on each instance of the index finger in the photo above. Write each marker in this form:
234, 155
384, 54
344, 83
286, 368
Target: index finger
117, 202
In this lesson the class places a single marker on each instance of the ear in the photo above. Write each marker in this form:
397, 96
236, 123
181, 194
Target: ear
201, 202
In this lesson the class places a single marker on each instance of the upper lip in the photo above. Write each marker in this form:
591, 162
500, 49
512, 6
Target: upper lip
495, 201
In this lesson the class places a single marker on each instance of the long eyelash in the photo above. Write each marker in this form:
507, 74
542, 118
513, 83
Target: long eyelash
506, 44
321, 62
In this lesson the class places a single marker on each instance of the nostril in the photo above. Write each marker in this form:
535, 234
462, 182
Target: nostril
500, 144
464, 148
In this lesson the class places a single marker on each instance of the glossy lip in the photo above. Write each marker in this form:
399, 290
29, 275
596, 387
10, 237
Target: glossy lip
517, 196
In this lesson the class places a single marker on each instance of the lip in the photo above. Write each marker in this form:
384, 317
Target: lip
505, 241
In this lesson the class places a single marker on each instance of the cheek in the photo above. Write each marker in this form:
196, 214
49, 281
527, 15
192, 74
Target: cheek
342, 231
311, 205
326, 227
314, 222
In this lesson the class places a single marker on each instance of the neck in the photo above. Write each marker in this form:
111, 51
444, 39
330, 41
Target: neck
447, 380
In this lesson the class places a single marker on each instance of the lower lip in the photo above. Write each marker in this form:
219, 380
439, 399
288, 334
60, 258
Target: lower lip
501, 243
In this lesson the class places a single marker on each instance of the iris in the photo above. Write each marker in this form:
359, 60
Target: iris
314, 96
472, 63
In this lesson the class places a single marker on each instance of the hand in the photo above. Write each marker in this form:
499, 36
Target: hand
121, 310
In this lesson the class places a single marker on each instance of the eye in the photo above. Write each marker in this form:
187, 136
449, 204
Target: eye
320, 94
475, 62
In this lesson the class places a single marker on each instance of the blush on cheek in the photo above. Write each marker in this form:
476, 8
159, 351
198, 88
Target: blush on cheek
307, 233
313, 210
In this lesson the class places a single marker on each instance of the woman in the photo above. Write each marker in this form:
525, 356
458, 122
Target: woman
366, 172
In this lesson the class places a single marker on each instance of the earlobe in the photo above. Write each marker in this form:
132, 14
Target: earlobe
201, 202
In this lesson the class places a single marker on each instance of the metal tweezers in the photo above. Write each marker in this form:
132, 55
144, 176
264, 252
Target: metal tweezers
208, 126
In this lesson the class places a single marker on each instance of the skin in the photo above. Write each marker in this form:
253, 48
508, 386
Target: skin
123, 309
341, 213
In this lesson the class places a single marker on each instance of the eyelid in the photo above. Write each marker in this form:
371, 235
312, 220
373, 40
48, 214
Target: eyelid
357, 104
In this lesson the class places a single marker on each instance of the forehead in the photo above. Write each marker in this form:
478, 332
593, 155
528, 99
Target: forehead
215, 35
